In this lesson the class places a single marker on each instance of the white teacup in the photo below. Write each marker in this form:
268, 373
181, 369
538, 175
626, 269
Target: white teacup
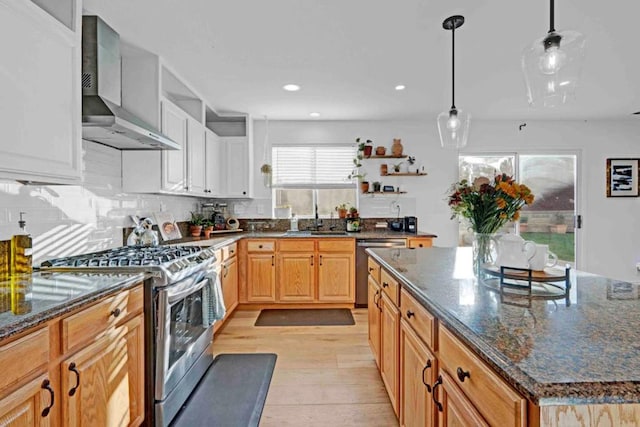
542, 258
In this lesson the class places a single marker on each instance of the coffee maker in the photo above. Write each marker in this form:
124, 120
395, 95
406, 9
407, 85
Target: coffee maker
411, 224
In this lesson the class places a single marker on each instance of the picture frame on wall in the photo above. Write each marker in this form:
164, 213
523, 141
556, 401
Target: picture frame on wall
622, 177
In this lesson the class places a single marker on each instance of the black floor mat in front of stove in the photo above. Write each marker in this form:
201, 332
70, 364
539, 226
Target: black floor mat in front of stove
231, 394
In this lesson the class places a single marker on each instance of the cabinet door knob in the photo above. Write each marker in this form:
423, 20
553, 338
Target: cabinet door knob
385, 285
420, 245
259, 246
116, 312
371, 269
46, 385
433, 395
462, 374
410, 314
73, 368
244, 192
427, 366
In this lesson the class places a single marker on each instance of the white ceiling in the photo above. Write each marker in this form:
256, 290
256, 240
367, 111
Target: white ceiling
349, 54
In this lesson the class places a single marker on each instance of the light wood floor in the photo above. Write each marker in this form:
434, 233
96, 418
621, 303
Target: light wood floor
324, 375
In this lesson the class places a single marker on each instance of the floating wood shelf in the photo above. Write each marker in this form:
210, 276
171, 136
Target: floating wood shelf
386, 156
405, 174
385, 192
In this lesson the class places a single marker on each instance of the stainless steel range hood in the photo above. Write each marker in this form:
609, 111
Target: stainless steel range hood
103, 119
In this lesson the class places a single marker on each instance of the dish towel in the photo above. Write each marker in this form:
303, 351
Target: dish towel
212, 300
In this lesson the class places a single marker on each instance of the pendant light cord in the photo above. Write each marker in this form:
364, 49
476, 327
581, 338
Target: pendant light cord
453, 67
552, 16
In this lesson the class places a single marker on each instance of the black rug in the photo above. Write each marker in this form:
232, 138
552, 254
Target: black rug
232, 393
306, 317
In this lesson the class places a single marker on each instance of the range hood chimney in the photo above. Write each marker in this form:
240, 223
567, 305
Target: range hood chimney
103, 119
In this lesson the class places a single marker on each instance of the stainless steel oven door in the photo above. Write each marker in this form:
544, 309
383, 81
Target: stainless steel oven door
181, 333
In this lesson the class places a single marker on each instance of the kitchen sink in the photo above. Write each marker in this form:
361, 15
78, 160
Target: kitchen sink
297, 233
328, 233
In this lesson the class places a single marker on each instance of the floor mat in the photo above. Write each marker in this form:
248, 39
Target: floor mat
305, 317
232, 392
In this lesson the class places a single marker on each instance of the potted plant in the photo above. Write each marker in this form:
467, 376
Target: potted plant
195, 223
364, 186
376, 186
396, 167
353, 212
207, 228
342, 210
559, 225
365, 147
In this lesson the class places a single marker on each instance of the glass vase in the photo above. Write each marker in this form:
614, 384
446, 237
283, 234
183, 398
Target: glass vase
484, 251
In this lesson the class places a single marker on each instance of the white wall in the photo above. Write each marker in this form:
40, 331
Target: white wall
72, 219
611, 227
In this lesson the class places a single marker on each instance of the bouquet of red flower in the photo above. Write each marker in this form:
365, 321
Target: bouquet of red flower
488, 206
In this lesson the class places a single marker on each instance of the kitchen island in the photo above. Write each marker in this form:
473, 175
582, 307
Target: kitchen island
573, 358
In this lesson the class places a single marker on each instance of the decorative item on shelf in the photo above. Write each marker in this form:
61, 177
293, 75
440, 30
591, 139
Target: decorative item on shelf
381, 151
453, 125
365, 147
232, 223
364, 186
388, 189
487, 206
384, 169
396, 167
195, 224
376, 187
396, 148
552, 65
342, 210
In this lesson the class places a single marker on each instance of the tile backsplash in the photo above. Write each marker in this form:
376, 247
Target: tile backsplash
71, 219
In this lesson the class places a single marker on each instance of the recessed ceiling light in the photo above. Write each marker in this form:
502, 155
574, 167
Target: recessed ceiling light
314, 114
400, 87
291, 87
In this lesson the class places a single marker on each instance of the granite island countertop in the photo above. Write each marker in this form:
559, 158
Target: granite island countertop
578, 350
30, 300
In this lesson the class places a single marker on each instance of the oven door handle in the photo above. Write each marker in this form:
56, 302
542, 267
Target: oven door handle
174, 295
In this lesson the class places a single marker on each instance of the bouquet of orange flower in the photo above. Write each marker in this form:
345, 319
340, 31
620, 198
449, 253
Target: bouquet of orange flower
488, 206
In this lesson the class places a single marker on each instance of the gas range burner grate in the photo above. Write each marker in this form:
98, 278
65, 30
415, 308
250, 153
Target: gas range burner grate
129, 256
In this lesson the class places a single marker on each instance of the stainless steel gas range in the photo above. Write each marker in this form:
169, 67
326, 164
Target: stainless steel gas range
177, 331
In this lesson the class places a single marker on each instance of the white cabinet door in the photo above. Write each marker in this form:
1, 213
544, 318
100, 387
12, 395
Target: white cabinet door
237, 166
197, 158
213, 166
174, 162
40, 101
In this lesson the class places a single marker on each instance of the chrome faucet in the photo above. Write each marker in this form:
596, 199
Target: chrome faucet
318, 222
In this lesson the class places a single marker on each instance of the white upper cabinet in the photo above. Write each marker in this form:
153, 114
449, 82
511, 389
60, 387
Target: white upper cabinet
215, 183
236, 158
40, 87
174, 162
196, 159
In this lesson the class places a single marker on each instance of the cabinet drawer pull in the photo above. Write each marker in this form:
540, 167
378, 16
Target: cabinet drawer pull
462, 374
46, 385
115, 313
410, 314
433, 395
72, 368
273, 260
311, 259
385, 285
376, 297
427, 366
226, 271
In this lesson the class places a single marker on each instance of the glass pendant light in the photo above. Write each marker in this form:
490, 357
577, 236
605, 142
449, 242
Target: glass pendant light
453, 124
552, 65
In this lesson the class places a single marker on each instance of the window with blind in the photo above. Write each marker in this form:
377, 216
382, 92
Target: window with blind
305, 176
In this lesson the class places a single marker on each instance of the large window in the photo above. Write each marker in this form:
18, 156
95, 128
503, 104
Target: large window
305, 176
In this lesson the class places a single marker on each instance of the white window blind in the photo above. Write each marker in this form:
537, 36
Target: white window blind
304, 166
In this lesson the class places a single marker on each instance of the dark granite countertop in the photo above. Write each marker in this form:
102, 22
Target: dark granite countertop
223, 240
29, 300
576, 350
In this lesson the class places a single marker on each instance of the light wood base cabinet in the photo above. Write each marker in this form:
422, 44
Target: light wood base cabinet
418, 367
261, 278
390, 331
98, 382
336, 276
296, 277
457, 410
374, 311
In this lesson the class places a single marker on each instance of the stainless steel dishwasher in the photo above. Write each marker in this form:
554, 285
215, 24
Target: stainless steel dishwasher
361, 263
